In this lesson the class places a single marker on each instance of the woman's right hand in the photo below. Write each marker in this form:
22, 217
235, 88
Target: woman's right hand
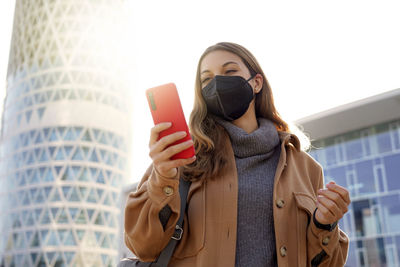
161, 154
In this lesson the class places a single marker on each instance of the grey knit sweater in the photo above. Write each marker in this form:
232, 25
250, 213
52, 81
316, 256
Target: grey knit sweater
256, 156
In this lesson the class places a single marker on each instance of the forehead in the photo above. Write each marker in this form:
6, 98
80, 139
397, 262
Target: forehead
217, 58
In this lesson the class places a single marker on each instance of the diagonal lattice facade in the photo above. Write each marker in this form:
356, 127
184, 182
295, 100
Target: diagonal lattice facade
65, 135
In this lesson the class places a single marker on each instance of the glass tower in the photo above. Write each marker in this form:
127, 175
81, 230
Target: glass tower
367, 163
65, 135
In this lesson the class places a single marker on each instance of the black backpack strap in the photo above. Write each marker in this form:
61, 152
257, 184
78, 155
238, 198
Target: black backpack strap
167, 252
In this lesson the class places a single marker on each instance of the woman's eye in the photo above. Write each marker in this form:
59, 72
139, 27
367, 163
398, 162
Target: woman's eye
205, 80
230, 71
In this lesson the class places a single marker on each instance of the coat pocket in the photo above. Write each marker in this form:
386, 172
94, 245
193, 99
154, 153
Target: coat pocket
194, 224
306, 205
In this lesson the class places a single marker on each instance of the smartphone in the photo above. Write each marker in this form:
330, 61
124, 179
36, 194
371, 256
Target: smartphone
165, 106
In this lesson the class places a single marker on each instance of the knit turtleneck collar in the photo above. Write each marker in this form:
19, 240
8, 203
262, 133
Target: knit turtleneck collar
261, 141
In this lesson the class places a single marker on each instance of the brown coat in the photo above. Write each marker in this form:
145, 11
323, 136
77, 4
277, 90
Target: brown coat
209, 237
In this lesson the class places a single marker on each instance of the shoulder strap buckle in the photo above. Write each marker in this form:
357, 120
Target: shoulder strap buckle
178, 233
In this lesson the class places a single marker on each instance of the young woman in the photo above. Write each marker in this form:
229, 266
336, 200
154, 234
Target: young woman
256, 198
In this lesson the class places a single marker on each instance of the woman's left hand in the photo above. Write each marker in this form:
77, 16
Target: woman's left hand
332, 203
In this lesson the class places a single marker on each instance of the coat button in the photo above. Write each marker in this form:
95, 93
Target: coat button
280, 203
283, 251
168, 190
326, 240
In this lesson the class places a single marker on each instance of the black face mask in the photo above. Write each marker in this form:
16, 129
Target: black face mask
228, 97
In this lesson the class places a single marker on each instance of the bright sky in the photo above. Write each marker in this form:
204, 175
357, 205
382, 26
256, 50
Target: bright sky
316, 54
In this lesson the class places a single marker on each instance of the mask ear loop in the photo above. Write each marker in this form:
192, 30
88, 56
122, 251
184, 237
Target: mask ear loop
251, 77
254, 94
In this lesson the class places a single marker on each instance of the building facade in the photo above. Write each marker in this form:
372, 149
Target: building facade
124, 252
65, 135
359, 147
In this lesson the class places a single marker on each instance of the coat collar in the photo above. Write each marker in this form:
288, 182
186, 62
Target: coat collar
289, 138
286, 138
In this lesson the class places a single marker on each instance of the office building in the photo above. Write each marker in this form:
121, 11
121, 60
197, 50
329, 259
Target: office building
358, 145
65, 137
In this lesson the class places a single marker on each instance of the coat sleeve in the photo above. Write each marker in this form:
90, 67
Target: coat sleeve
144, 234
326, 248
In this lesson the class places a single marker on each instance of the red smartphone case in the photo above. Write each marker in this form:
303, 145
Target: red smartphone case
165, 106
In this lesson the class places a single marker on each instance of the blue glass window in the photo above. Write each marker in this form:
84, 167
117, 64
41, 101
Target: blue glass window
365, 177
103, 139
77, 155
96, 133
45, 218
46, 132
70, 135
98, 235
86, 136
49, 176
69, 239
22, 181
392, 168
397, 238
99, 220
53, 240
36, 240
366, 219
92, 197
81, 219
40, 197
384, 142
78, 131
105, 243
40, 112
57, 96
380, 179
73, 212
90, 213
44, 156
80, 234
56, 196
84, 175
100, 178
61, 130
63, 217
28, 115
39, 138
53, 136
391, 212
74, 195
47, 191
69, 256
396, 138
354, 149
67, 150
93, 157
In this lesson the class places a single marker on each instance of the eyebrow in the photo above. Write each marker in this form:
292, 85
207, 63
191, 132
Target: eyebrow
224, 65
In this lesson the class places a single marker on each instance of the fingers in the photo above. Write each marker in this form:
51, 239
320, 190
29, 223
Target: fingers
344, 194
155, 131
164, 142
335, 197
332, 211
160, 145
332, 203
165, 166
162, 150
323, 215
165, 155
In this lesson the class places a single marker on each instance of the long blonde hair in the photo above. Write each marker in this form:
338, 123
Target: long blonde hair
207, 135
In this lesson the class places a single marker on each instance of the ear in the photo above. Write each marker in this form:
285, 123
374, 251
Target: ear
258, 81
